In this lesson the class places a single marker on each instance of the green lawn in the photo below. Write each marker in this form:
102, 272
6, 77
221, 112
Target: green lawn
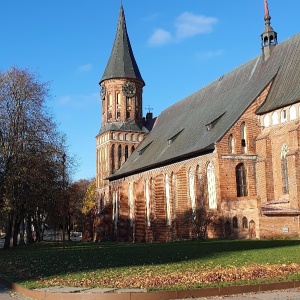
185, 264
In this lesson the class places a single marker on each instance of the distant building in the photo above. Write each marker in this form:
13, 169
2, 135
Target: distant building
223, 162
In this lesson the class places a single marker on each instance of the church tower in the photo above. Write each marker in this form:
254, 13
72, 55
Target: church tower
122, 123
269, 36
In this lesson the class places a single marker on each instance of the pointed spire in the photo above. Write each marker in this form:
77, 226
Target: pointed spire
266, 8
269, 36
122, 63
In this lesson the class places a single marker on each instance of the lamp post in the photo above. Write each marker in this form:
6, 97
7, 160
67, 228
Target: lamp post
63, 198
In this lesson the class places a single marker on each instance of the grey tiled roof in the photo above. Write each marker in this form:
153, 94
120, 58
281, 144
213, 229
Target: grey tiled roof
122, 63
120, 126
181, 130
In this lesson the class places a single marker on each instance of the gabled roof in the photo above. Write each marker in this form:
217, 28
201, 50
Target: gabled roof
219, 104
122, 63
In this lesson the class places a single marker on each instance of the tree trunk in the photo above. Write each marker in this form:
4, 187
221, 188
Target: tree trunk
16, 231
8, 230
22, 241
30, 239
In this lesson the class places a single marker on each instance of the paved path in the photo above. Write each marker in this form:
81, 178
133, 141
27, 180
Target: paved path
7, 294
291, 294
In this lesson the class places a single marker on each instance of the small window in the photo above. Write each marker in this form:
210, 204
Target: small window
235, 222
283, 116
243, 138
293, 113
230, 144
275, 120
266, 120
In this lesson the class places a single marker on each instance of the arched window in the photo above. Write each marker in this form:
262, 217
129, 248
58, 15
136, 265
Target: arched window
174, 204
168, 204
115, 214
211, 186
126, 153
119, 156
275, 120
293, 113
131, 203
235, 222
243, 138
283, 115
132, 149
266, 120
192, 191
241, 180
245, 222
284, 169
147, 196
230, 144
113, 158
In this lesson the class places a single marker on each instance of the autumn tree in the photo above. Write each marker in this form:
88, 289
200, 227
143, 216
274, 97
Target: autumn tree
30, 152
89, 210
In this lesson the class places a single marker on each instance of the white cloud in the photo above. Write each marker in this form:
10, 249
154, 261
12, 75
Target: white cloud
160, 37
186, 25
85, 68
64, 100
209, 54
189, 24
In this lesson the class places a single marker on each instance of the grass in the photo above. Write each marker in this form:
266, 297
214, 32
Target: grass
184, 264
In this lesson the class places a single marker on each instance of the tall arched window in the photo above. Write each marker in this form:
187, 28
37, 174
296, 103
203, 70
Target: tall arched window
113, 158
230, 144
174, 203
192, 190
235, 222
126, 153
119, 156
245, 222
284, 169
147, 196
241, 180
131, 203
168, 204
115, 214
132, 149
211, 186
243, 138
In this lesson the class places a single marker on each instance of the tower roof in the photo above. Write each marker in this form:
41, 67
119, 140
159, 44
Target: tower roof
267, 17
122, 63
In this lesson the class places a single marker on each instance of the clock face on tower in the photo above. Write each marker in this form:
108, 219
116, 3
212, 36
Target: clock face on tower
103, 92
129, 89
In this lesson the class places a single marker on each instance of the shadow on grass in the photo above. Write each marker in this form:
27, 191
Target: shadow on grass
51, 259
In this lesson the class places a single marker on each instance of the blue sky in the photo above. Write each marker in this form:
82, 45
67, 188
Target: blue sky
180, 46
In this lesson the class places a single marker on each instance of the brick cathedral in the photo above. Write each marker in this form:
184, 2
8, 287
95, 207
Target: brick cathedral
222, 163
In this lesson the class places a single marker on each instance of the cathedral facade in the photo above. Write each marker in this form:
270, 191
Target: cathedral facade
222, 163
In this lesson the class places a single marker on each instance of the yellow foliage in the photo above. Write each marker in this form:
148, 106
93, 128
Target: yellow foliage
89, 200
